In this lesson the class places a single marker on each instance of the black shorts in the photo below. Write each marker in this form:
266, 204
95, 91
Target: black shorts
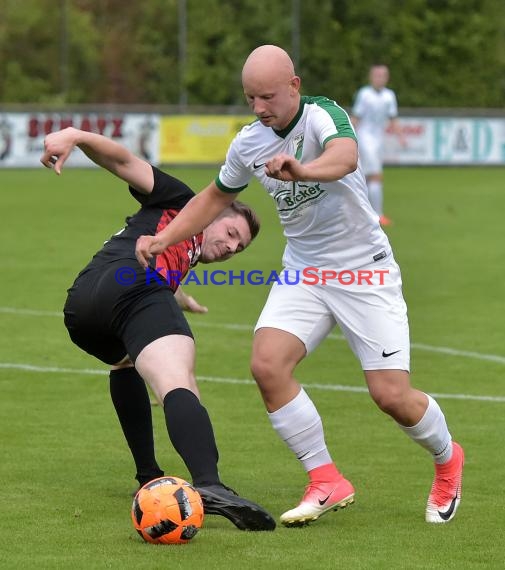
113, 310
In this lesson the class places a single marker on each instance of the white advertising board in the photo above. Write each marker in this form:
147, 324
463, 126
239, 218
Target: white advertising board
22, 135
447, 141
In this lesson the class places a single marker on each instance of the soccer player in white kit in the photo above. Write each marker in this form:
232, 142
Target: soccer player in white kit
375, 109
303, 150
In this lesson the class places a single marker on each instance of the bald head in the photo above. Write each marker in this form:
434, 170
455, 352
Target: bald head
268, 61
271, 86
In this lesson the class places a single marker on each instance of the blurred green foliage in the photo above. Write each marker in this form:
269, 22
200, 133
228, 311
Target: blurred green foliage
442, 53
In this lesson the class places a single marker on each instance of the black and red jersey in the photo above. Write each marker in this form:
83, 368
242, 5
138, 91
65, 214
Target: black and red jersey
158, 209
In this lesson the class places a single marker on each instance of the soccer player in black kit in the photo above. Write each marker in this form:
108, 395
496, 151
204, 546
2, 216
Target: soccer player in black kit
133, 321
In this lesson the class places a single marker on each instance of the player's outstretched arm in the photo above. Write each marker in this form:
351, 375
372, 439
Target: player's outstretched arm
394, 125
340, 157
102, 151
188, 303
196, 215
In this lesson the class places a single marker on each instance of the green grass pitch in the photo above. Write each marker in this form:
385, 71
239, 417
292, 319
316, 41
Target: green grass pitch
66, 474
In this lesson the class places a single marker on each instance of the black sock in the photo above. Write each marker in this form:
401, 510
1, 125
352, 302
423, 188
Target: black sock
133, 407
191, 433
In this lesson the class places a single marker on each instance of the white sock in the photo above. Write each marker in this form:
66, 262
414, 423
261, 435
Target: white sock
375, 195
298, 423
432, 433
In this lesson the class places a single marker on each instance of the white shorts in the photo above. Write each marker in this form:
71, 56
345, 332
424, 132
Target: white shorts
370, 153
370, 312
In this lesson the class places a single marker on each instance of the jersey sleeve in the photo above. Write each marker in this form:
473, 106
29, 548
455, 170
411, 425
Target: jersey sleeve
393, 106
334, 123
234, 176
168, 192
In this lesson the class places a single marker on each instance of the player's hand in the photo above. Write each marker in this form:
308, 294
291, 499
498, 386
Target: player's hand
57, 148
146, 248
188, 303
284, 167
193, 306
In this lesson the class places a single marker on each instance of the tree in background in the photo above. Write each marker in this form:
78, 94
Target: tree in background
442, 53
31, 52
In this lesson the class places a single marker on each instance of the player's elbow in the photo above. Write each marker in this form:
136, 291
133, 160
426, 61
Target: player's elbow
350, 162
345, 155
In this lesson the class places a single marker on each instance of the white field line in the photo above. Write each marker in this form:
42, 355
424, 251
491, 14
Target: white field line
240, 381
230, 326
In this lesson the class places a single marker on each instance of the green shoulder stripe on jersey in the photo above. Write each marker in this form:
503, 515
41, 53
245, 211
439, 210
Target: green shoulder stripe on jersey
339, 116
330, 138
224, 188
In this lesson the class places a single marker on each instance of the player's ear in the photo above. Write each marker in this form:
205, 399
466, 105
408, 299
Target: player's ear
295, 82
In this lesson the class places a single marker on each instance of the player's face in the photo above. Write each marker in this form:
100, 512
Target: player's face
225, 237
379, 76
275, 103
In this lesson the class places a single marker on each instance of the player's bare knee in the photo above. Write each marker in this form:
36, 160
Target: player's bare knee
269, 364
267, 368
274, 381
389, 400
260, 369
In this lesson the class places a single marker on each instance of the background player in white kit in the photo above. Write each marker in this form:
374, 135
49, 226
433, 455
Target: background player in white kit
375, 109
303, 150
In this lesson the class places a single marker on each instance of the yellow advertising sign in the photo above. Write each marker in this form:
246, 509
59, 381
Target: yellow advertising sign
198, 139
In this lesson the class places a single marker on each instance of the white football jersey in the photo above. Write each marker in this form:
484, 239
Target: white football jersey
374, 109
327, 224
